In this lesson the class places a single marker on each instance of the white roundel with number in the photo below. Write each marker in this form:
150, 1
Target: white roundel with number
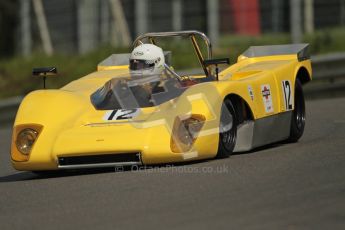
120, 114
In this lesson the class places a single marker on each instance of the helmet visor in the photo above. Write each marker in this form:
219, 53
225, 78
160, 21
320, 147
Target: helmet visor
135, 64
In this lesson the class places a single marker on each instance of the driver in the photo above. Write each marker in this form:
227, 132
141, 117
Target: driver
146, 66
145, 60
150, 76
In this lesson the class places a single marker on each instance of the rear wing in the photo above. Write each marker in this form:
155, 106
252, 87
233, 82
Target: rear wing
301, 50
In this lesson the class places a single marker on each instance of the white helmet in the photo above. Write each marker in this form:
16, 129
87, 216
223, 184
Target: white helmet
146, 59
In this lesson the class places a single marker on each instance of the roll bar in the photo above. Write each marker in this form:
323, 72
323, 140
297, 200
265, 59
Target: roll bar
192, 34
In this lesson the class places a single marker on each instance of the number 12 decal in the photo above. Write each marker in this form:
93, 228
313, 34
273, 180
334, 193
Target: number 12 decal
120, 114
288, 96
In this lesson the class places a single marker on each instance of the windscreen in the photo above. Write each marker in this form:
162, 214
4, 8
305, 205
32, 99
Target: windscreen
130, 92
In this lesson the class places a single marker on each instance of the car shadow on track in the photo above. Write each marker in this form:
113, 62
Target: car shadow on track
24, 176
39, 175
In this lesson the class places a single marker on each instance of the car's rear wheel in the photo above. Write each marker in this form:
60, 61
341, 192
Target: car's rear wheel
298, 114
227, 129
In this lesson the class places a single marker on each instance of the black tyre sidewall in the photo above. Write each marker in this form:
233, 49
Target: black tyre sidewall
223, 149
297, 127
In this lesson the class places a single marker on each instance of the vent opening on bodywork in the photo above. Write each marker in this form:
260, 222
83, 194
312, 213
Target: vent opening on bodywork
100, 159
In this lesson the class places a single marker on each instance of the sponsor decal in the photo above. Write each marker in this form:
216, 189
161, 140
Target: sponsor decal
120, 114
267, 98
138, 53
288, 95
251, 93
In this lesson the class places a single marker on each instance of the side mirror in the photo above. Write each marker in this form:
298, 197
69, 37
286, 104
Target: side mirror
44, 72
216, 62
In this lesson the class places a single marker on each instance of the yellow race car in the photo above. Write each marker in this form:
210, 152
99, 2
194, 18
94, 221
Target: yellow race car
113, 118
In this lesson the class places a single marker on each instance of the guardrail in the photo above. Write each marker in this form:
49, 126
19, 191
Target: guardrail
328, 66
8, 109
325, 67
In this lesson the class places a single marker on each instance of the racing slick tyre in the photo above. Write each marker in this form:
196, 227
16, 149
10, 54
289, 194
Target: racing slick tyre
298, 114
227, 129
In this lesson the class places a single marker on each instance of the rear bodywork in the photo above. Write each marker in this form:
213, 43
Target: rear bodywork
75, 133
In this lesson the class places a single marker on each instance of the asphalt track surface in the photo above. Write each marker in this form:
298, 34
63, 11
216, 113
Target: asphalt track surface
281, 186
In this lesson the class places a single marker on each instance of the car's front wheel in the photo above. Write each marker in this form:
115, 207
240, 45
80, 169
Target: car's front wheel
298, 115
227, 129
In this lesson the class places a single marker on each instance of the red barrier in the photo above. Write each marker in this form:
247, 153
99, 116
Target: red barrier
246, 16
